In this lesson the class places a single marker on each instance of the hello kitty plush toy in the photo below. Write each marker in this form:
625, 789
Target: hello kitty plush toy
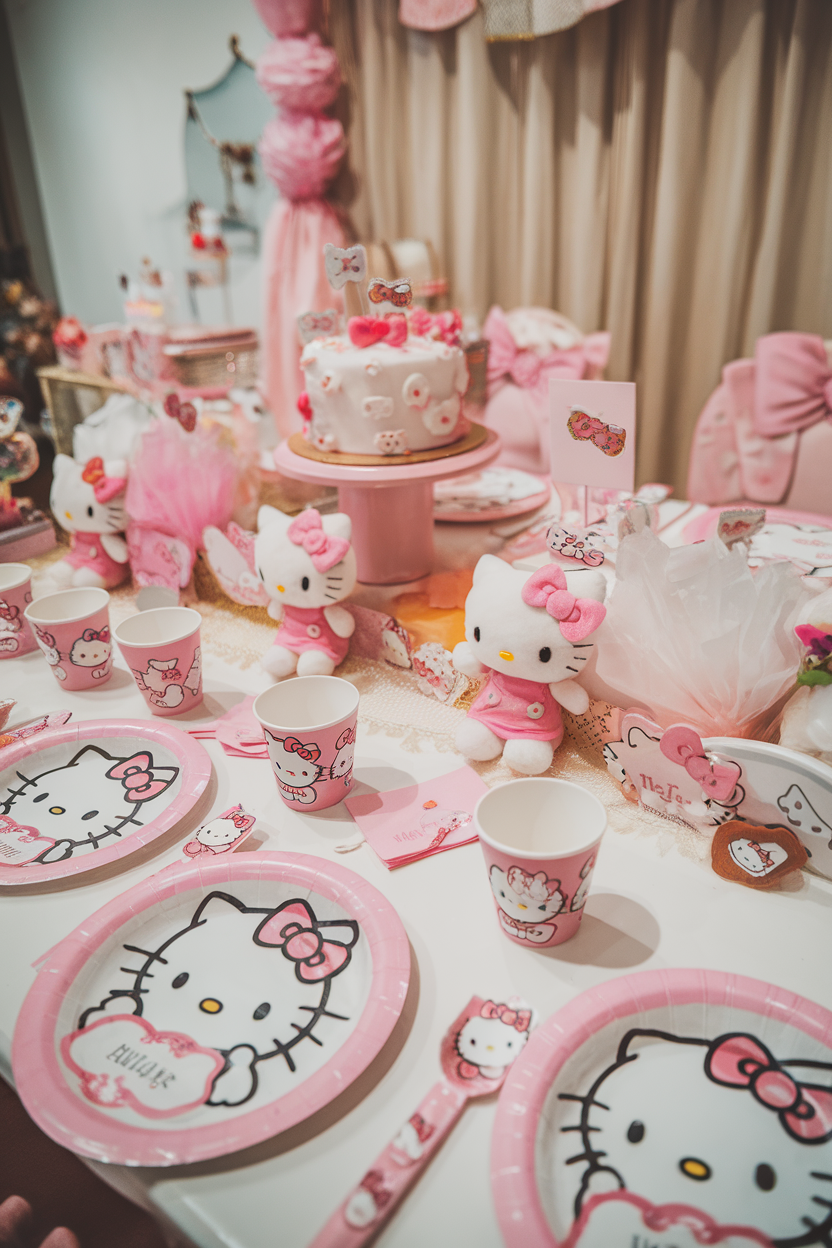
307, 567
529, 635
88, 501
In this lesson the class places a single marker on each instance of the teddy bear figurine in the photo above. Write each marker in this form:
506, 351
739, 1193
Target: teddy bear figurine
307, 567
528, 634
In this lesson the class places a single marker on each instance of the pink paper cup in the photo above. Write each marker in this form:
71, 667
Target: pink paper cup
309, 725
540, 839
72, 629
161, 648
16, 636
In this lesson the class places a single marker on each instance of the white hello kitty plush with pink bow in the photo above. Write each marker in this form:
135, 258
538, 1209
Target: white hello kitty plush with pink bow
88, 501
307, 567
529, 636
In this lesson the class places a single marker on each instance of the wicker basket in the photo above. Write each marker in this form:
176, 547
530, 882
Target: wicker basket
213, 360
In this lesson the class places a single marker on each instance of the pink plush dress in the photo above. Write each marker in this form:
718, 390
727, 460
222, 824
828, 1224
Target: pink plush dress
515, 708
306, 628
88, 552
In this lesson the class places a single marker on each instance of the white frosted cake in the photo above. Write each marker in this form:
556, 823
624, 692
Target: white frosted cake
382, 399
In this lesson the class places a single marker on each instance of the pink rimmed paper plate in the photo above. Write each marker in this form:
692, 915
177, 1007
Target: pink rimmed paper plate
679, 1107
210, 1007
86, 794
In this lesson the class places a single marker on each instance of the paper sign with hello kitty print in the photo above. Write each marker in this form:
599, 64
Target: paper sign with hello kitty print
593, 433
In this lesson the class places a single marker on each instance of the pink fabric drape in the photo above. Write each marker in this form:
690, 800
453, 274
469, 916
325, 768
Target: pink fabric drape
294, 281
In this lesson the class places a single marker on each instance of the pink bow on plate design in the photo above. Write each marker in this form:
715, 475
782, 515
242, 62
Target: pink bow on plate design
805, 1109
520, 1020
136, 774
295, 929
792, 384
307, 531
103, 487
578, 617
683, 745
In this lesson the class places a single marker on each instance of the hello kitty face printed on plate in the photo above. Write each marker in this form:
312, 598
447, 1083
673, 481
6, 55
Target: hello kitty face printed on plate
218, 992
675, 1108
93, 792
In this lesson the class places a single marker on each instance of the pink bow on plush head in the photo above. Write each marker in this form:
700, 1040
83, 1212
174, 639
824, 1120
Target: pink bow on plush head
307, 531
740, 1061
103, 487
578, 617
518, 1019
792, 384
136, 775
295, 930
683, 745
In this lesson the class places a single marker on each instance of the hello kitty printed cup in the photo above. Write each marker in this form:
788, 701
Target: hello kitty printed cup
162, 649
540, 839
72, 629
16, 637
309, 724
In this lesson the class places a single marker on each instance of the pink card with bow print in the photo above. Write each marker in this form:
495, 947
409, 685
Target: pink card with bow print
593, 433
404, 825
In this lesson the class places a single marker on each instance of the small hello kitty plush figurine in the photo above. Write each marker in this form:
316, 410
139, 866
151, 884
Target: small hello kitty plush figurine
88, 501
490, 1041
307, 567
529, 635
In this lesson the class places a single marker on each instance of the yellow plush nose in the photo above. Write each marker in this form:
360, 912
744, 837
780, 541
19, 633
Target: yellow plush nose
210, 1006
280, 589
507, 655
694, 1168
68, 515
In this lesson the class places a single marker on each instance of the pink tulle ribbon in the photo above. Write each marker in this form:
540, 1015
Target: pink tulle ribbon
301, 153
299, 74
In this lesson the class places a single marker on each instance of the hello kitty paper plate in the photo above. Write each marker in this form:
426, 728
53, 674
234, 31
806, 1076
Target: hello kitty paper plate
669, 1109
83, 795
210, 1007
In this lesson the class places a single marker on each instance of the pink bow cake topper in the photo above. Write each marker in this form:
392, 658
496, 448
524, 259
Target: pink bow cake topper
683, 745
296, 931
578, 617
366, 331
306, 530
105, 488
804, 1109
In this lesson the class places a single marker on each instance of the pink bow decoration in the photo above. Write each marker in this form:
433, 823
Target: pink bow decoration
89, 634
136, 774
294, 929
366, 331
792, 384
578, 617
103, 487
307, 531
309, 752
683, 745
520, 1020
740, 1061
526, 368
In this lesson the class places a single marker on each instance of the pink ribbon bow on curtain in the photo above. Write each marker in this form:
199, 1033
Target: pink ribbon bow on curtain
518, 1019
792, 384
307, 531
103, 487
683, 745
740, 1061
136, 775
309, 752
578, 617
296, 931
526, 368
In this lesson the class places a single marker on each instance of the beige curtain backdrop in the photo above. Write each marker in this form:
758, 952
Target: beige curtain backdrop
662, 170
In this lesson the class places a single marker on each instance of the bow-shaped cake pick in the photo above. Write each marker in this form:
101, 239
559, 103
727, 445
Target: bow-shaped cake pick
476, 1052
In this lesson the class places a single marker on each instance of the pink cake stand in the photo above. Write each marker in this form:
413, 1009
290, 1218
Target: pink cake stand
391, 508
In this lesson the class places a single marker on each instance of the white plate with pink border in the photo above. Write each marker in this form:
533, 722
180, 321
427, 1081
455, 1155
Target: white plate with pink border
672, 1109
210, 1007
86, 794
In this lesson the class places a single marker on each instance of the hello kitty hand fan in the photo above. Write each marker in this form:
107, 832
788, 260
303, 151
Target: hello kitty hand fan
476, 1053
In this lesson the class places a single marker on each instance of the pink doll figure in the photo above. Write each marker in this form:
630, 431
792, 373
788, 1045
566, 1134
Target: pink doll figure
528, 635
492, 1039
222, 834
88, 501
307, 567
